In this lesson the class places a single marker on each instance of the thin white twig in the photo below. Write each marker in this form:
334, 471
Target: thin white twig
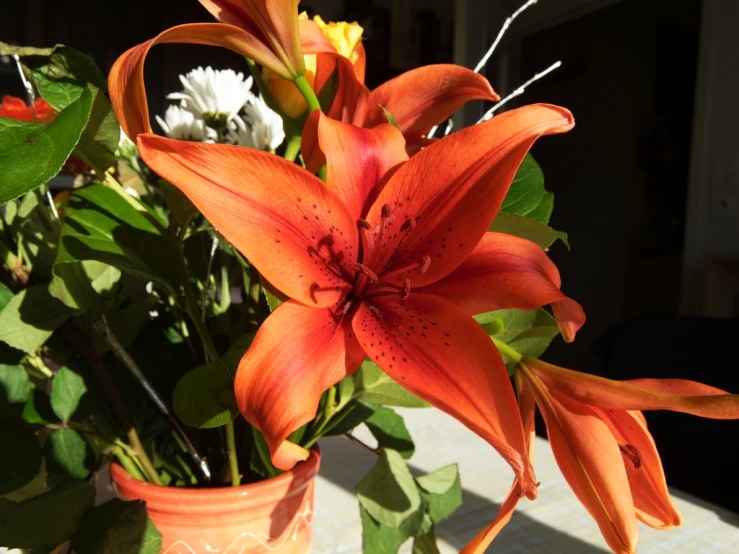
206, 285
486, 57
27, 85
519, 91
502, 31
32, 102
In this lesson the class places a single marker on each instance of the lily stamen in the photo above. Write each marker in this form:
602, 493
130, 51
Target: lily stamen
421, 266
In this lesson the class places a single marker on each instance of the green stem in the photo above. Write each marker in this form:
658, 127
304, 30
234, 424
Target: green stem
310, 97
322, 175
101, 326
293, 147
262, 86
14, 264
129, 464
323, 418
79, 342
231, 451
191, 306
503, 348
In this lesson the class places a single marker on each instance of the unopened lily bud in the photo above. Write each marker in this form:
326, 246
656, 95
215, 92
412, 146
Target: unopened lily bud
343, 36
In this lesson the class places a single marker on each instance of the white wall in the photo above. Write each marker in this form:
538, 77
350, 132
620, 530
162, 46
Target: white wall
713, 230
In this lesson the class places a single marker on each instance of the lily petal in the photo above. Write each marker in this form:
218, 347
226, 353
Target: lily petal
359, 161
281, 377
509, 272
294, 230
527, 407
482, 540
591, 463
274, 22
452, 190
288, 454
677, 395
126, 79
426, 96
652, 501
439, 353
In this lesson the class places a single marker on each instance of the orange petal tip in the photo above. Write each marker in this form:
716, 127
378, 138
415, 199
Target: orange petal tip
289, 454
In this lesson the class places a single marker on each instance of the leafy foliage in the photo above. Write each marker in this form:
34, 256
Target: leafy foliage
32, 154
117, 526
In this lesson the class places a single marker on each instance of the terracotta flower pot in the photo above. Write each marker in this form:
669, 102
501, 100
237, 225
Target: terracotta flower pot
275, 515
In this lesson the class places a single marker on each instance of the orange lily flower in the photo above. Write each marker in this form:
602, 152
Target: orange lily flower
15, 108
265, 31
360, 255
600, 440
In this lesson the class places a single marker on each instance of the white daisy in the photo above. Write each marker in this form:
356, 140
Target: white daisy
262, 129
214, 96
181, 124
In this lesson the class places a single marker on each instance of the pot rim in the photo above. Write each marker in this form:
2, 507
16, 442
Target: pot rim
303, 471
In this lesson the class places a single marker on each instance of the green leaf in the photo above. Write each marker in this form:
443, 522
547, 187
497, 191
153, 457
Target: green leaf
353, 414
182, 208
390, 119
82, 285
204, 397
388, 491
274, 297
5, 295
30, 318
14, 389
21, 457
527, 228
381, 539
32, 154
528, 332
67, 389
442, 492
101, 136
426, 543
376, 387
491, 322
100, 225
48, 519
261, 462
390, 431
236, 351
37, 410
63, 77
543, 210
441, 480
378, 538
67, 450
117, 527
527, 188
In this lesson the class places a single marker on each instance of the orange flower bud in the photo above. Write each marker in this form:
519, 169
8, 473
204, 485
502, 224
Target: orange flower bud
343, 36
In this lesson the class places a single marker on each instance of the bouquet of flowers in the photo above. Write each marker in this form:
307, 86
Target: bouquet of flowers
297, 256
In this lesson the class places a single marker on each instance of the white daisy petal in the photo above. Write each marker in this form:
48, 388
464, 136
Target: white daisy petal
214, 95
181, 124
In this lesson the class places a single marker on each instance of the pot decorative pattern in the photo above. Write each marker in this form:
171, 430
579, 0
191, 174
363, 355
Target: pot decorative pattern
275, 515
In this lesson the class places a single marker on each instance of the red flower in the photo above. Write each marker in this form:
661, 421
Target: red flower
15, 108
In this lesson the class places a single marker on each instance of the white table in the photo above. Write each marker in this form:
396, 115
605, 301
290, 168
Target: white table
555, 523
